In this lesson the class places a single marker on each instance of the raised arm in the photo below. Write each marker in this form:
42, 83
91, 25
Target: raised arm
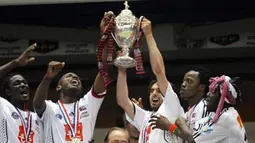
156, 60
42, 90
99, 83
122, 93
22, 60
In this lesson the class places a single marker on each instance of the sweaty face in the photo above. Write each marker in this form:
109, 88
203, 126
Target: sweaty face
133, 132
190, 85
118, 136
155, 97
70, 82
18, 88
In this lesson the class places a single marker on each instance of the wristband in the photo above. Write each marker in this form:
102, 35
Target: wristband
172, 128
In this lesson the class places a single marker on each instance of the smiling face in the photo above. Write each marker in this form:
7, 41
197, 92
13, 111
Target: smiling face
70, 82
156, 98
18, 89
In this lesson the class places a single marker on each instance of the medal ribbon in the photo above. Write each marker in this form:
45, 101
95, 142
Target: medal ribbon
26, 127
76, 117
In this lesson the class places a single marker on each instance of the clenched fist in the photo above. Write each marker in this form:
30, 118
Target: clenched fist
54, 68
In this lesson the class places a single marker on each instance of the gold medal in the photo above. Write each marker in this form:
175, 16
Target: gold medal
76, 140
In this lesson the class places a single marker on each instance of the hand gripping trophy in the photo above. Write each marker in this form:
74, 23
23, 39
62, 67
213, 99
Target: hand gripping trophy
126, 31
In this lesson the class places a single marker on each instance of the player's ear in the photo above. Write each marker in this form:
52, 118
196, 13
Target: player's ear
58, 88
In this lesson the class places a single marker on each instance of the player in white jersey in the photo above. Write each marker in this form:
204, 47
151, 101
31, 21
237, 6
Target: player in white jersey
194, 88
18, 124
70, 119
224, 124
162, 97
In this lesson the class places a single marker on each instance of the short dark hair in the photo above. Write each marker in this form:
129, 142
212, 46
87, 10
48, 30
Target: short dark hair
151, 84
111, 130
204, 76
155, 81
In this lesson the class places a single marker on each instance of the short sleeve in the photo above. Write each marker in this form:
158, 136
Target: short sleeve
139, 117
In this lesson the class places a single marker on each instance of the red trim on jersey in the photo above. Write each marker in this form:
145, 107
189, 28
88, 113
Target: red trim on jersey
94, 94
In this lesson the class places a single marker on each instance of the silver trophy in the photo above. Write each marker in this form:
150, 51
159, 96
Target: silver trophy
125, 34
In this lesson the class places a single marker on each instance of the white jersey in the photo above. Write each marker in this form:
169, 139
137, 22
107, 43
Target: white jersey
228, 129
170, 108
12, 121
55, 126
195, 113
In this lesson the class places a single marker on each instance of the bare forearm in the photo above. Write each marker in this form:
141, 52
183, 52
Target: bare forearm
41, 95
184, 132
122, 89
8, 67
187, 137
122, 94
99, 83
156, 60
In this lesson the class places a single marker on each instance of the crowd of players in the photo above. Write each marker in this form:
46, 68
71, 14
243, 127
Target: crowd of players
211, 117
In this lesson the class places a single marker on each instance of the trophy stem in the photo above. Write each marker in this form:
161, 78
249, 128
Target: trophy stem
125, 52
125, 61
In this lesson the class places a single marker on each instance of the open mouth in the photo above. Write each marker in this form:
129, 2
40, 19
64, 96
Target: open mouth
155, 100
24, 92
75, 82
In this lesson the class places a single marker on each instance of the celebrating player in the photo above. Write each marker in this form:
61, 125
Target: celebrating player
223, 123
194, 89
69, 119
162, 97
18, 124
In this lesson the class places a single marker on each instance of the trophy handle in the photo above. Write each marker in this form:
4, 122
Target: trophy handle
140, 21
139, 26
114, 38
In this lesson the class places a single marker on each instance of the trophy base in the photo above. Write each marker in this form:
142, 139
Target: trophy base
125, 62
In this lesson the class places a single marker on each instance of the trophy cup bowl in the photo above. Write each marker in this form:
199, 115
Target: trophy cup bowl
125, 34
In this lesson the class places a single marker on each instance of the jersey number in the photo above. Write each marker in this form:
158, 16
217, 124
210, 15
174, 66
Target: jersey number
22, 137
78, 133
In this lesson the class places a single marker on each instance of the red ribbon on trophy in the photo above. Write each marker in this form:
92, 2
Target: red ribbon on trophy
127, 33
107, 25
137, 52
